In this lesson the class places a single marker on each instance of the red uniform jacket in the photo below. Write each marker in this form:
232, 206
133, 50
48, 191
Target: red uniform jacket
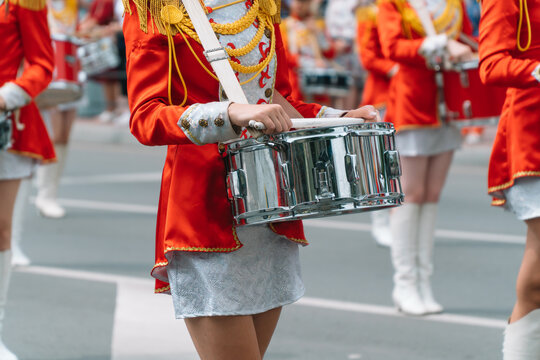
194, 213
412, 100
516, 151
24, 34
377, 82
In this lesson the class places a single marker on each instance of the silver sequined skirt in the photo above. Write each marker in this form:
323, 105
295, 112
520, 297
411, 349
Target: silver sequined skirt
523, 199
261, 275
427, 142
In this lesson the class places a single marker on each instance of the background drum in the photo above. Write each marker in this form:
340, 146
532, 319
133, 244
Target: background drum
470, 102
65, 86
313, 173
5, 130
325, 82
99, 56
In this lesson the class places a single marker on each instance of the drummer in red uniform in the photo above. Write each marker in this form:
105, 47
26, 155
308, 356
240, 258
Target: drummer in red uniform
24, 35
424, 139
228, 283
510, 56
379, 72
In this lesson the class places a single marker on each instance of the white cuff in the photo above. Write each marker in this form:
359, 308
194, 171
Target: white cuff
207, 123
14, 96
536, 73
328, 112
433, 44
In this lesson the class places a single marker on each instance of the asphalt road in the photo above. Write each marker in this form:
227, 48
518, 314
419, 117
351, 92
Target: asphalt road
88, 293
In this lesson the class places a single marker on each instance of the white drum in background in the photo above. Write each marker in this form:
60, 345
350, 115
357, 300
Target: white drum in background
99, 56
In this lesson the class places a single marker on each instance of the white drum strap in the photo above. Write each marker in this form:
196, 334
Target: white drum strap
216, 55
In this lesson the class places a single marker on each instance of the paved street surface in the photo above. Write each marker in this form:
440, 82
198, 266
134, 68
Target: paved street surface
88, 294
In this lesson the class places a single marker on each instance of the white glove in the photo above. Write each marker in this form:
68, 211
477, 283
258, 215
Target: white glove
14, 96
432, 45
536, 73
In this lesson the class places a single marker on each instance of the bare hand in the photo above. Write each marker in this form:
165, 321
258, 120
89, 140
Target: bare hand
459, 52
274, 118
368, 113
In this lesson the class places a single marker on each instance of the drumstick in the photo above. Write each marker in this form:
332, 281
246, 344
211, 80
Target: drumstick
305, 123
280, 100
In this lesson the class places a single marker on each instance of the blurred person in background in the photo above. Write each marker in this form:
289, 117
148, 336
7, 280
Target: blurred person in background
379, 72
104, 19
341, 25
510, 57
24, 35
62, 15
309, 49
424, 139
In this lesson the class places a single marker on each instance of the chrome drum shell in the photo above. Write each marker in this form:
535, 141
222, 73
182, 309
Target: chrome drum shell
313, 173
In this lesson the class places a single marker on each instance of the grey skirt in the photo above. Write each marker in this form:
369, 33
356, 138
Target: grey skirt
523, 199
261, 275
427, 142
13, 166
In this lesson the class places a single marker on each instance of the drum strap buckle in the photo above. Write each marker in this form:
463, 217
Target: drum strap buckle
216, 54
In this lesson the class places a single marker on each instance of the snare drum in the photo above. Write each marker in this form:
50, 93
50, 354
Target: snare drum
469, 101
313, 173
5, 130
325, 82
65, 86
99, 56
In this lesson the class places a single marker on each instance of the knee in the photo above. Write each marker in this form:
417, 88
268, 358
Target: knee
416, 197
432, 197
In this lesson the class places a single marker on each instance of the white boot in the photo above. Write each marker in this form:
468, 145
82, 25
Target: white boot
404, 225
19, 258
522, 338
426, 238
5, 274
380, 227
48, 179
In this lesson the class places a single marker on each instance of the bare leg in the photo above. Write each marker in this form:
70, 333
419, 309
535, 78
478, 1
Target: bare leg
265, 324
224, 337
8, 194
62, 122
414, 178
438, 167
528, 280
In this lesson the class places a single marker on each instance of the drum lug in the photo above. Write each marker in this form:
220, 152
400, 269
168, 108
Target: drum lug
236, 184
285, 176
393, 164
323, 180
351, 169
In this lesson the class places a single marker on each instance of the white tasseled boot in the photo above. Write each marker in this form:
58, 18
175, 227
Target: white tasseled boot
404, 224
19, 258
380, 227
522, 338
48, 179
426, 238
5, 274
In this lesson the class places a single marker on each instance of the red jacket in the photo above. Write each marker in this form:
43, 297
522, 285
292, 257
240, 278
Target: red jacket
24, 34
194, 213
412, 101
376, 64
516, 150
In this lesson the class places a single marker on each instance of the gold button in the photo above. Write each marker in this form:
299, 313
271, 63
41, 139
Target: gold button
185, 124
268, 93
267, 33
203, 123
219, 121
221, 147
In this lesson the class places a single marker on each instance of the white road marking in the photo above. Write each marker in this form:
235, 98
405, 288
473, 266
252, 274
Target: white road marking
142, 317
112, 178
317, 223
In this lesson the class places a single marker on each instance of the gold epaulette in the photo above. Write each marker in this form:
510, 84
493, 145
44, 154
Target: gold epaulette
366, 13
35, 5
155, 7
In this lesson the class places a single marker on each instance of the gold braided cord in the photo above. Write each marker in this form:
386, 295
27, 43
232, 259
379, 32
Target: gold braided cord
246, 49
524, 11
441, 23
35, 5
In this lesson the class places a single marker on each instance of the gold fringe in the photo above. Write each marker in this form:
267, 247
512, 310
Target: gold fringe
35, 5
276, 19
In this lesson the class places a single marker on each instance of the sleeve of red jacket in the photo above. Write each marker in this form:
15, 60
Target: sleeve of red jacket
498, 35
282, 81
38, 51
395, 46
369, 49
153, 121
